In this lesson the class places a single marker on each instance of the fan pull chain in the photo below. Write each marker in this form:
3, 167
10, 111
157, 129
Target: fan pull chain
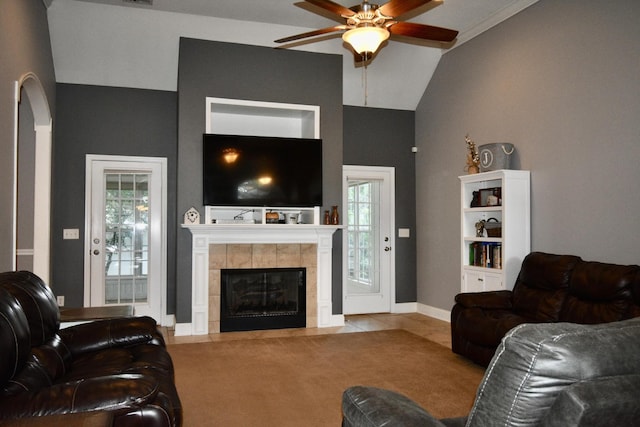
364, 83
364, 78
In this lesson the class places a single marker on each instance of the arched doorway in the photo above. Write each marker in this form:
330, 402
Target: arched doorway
30, 85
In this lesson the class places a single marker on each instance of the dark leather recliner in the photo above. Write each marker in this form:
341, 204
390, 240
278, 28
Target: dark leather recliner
549, 288
119, 366
545, 374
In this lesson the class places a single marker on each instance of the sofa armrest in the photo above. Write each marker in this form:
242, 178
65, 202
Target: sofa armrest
108, 333
606, 401
496, 300
375, 407
109, 393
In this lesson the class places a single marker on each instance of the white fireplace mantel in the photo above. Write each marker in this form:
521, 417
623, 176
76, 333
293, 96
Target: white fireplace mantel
204, 235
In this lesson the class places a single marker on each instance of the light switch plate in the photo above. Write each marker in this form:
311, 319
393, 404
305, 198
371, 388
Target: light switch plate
71, 233
404, 233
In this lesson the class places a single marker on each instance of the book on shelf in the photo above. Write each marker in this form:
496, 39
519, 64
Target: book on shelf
485, 254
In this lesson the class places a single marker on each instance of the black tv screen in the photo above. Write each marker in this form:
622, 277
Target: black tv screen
262, 171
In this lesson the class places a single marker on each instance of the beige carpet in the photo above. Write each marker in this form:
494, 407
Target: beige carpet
298, 381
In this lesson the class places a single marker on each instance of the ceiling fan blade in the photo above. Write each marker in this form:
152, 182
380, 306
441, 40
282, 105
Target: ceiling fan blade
396, 8
311, 34
421, 31
333, 7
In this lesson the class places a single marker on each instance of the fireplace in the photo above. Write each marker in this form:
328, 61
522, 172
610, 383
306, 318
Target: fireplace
262, 298
217, 247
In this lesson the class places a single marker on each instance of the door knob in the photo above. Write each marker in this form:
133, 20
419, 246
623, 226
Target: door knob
387, 248
96, 252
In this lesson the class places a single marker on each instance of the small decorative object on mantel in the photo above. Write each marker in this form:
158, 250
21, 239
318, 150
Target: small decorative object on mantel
496, 156
327, 218
272, 217
335, 217
192, 216
473, 161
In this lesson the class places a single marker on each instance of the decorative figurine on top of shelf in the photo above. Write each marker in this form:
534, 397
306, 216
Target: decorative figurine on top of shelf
473, 160
475, 201
335, 217
192, 216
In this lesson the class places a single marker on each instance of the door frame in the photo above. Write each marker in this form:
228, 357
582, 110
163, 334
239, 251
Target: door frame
162, 161
386, 173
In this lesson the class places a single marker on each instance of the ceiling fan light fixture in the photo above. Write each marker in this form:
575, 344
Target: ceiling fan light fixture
366, 39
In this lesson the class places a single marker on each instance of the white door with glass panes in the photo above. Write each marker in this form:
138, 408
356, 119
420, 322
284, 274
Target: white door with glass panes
368, 239
126, 234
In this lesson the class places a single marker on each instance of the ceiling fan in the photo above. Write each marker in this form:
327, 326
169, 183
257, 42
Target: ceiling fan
368, 25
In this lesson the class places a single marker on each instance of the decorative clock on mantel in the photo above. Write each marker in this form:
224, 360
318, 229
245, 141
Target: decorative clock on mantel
192, 216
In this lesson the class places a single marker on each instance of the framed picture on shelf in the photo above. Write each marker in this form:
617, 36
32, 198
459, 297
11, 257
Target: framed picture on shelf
491, 197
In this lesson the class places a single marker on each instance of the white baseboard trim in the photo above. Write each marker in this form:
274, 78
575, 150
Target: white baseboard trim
169, 320
182, 329
405, 307
434, 312
336, 320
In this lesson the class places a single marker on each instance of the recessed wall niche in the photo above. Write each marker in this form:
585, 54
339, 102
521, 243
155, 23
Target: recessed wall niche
243, 117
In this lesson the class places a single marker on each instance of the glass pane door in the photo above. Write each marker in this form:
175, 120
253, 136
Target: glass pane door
126, 238
363, 231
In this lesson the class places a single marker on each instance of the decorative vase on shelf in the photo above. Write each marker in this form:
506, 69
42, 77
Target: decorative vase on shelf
335, 217
327, 218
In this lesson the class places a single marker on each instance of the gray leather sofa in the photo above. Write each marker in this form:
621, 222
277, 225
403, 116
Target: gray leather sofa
551, 375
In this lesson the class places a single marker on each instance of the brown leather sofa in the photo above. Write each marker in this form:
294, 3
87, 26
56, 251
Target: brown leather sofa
113, 372
549, 288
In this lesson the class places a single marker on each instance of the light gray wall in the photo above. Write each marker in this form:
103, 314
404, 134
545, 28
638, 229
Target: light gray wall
560, 80
383, 137
228, 70
24, 47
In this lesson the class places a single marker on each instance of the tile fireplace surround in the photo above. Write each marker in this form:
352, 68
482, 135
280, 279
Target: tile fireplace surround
215, 247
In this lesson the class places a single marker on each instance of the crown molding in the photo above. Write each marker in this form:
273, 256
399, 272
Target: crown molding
490, 22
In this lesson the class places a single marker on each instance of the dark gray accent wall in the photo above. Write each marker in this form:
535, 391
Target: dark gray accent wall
24, 47
236, 71
112, 121
383, 137
560, 80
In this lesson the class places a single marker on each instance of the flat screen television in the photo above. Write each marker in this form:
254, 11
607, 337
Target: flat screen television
243, 170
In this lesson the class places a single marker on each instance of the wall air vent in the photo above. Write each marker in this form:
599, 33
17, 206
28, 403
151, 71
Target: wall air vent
143, 2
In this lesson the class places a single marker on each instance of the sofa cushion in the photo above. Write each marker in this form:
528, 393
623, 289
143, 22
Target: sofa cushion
486, 327
634, 308
541, 286
536, 362
603, 402
599, 293
375, 407
14, 337
37, 301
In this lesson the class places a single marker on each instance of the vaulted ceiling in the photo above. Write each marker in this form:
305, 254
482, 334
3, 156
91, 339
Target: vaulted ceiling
130, 43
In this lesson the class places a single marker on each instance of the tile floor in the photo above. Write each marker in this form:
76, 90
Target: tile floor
428, 327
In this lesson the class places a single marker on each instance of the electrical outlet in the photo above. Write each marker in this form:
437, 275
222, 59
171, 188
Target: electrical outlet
60, 299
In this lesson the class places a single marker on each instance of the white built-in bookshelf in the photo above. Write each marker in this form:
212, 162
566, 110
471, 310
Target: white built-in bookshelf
491, 261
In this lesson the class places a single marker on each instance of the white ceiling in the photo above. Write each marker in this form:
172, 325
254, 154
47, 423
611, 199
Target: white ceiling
108, 25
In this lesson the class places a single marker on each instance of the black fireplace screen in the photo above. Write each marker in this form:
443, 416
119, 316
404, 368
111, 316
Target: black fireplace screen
269, 298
